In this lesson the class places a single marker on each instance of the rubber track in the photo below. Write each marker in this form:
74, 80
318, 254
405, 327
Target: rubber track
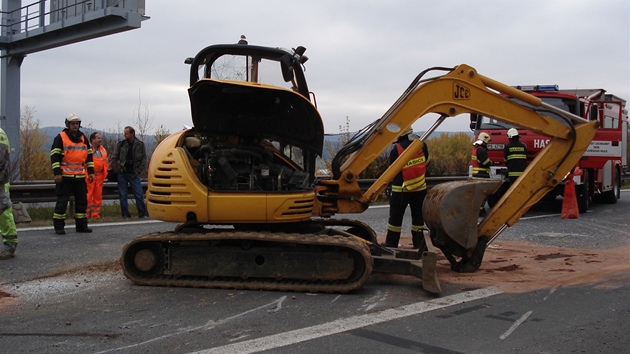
361, 249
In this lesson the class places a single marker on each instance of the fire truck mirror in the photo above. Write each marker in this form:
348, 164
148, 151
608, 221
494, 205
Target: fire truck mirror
473, 121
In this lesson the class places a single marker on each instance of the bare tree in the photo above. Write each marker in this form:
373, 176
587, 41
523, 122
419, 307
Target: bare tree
143, 120
34, 159
161, 134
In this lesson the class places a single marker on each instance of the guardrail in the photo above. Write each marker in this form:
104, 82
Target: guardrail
44, 191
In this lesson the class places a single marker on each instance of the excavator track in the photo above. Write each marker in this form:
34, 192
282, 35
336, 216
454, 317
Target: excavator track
226, 258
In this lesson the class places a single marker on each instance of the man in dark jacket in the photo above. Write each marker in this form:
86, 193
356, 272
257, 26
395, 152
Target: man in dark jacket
515, 155
409, 188
129, 161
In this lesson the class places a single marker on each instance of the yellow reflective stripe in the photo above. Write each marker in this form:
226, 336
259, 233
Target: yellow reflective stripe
393, 228
397, 189
514, 174
59, 216
415, 184
56, 165
517, 156
480, 169
56, 151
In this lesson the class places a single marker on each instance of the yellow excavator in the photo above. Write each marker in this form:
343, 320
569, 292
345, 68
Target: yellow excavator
251, 213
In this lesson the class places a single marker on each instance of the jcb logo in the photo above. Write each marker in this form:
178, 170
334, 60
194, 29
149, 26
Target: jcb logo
460, 92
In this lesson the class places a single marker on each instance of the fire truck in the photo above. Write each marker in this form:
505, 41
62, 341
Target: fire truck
598, 174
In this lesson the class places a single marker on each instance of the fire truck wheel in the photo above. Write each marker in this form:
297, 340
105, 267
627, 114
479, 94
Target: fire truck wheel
611, 196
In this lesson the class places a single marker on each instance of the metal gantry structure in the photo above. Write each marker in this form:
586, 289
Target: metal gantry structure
47, 24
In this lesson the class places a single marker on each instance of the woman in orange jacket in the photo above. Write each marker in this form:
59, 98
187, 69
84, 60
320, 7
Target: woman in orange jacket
95, 188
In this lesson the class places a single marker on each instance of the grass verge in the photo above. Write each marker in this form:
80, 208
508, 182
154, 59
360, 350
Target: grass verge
42, 216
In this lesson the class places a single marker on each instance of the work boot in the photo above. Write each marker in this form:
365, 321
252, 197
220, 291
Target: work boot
391, 240
59, 225
82, 225
417, 237
8, 251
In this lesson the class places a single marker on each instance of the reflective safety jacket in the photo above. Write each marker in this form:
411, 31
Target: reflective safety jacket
480, 162
71, 155
101, 164
413, 175
515, 155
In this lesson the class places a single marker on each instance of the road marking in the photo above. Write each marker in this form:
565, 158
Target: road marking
515, 325
553, 290
208, 325
350, 323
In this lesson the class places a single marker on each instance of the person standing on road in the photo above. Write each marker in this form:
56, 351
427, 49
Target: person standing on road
95, 188
129, 161
515, 155
409, 188
71, 156
7, 223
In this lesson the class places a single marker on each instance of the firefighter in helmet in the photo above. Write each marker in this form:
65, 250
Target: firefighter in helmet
515, 155
480, 161
409, 188
71, 156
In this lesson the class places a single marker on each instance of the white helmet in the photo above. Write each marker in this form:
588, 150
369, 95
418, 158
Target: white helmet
72, 117
512, 132
484, 137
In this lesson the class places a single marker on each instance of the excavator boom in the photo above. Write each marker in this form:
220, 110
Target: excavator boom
451, 209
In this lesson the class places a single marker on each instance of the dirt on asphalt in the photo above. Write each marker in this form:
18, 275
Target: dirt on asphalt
509, 265
514, 266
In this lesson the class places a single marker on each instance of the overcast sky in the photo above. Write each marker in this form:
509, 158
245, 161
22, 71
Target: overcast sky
363, 54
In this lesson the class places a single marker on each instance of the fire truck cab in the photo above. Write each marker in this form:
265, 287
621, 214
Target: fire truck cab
598, 174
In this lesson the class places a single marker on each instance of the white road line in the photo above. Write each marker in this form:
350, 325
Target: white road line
553, 290
515, 325
350, 323
208, 325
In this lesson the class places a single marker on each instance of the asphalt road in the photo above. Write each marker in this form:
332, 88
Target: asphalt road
68, 295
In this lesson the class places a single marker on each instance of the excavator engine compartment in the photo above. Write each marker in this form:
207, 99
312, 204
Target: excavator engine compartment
246, 165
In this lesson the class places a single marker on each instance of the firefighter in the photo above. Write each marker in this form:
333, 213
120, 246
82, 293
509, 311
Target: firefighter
480, 161
481, 164
71, 156
515, 155
409, 188
7, 223
95, 188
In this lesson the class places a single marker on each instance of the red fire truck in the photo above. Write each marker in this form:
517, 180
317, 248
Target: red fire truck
603, 163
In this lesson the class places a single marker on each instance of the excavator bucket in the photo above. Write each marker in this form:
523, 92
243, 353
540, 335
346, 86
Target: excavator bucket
451, 212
